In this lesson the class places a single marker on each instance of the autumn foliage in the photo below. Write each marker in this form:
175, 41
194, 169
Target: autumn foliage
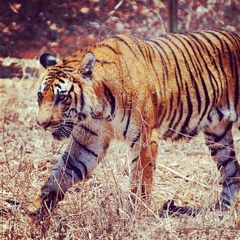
30, 27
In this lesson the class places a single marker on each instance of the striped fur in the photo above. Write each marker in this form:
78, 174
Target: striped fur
140, 92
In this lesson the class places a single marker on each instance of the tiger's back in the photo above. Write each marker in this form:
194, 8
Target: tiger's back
179, 83
140, 91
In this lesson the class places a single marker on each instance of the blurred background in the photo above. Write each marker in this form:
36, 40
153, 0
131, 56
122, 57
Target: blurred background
29, 28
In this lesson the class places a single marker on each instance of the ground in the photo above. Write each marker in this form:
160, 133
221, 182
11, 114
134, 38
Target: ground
99, 208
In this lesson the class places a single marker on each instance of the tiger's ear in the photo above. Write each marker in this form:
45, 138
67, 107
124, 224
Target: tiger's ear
47, 60
87, 64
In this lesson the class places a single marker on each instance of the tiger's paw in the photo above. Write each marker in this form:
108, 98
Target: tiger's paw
39, 217
34, 206
170, 209
37, 211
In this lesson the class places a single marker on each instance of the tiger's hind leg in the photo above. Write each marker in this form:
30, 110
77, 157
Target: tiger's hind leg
144, 153
220, 142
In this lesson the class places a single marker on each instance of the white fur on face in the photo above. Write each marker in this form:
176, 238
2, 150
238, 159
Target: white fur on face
62, 87
42, 86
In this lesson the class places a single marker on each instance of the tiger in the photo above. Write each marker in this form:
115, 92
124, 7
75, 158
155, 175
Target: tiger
141, 92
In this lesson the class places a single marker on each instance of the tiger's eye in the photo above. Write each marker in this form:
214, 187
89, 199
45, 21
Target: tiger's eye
61, 97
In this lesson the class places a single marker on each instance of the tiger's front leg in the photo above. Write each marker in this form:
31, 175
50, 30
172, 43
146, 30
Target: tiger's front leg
76, 164
68, 171
144, 153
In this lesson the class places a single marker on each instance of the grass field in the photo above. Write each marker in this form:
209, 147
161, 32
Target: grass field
99, 208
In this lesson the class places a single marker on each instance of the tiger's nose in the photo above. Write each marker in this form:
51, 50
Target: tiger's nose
44, 124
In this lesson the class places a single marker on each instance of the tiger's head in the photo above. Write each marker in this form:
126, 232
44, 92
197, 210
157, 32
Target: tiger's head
66, 95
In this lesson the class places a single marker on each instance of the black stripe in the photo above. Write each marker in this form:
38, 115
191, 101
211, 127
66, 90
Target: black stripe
161, 113
128, 120
161, 47
209, 118
139, 46
135, 139
163, 63
228, 35
180, 111
179, 88
198, 68
215, 137
232, 66
75, 98
229, 181
82, 102
178, 77
110, 98
85, 147
150, 54
214, 152
236, 90
203, 57
57, 85
150, 46
212, 58
226, 198
219, 113
68, 161
102, 62
70, 165
232, 154
196, 87
221, 53
71, 60
214, 47
88, 130
60, 80
190, 110
172, 121
206, 96
60, 74
67, 173
135, 159
124, 110
151, 164
194, 83
109, 47
71, 89
234, 70
122, 40
170, 106
65, 69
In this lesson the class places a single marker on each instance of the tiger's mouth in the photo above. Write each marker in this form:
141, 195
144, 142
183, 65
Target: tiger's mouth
62, 130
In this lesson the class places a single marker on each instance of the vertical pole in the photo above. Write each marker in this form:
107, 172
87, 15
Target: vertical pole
173, 15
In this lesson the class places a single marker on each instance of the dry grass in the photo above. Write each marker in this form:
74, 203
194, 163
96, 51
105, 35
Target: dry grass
99, 208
